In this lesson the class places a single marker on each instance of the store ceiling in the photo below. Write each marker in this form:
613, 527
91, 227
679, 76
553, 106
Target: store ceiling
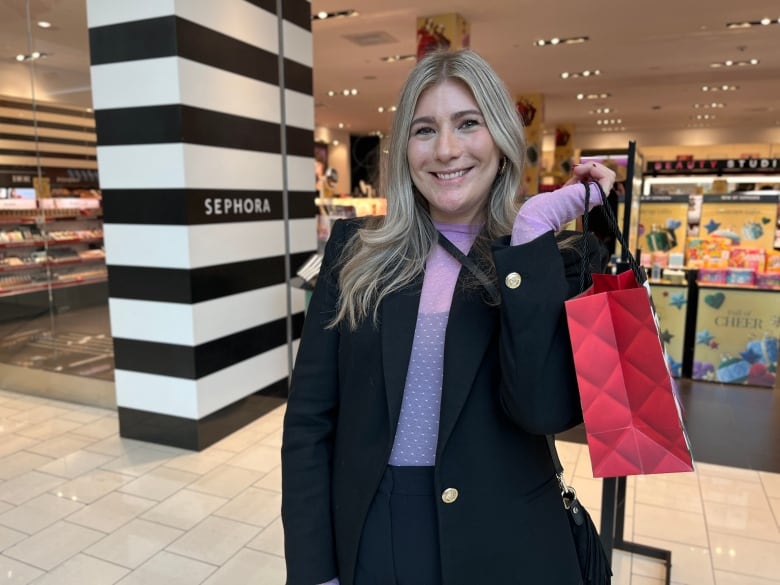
653, 60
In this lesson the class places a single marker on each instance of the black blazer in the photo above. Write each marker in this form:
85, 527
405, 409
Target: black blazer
508, 381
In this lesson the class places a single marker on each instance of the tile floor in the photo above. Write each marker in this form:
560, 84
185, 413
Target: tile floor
81, 506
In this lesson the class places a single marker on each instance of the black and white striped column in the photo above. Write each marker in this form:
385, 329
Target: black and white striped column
205, 121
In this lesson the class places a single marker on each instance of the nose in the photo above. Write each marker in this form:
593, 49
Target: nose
447, 145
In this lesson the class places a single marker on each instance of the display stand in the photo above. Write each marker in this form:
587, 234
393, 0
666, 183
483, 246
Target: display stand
613, 489
613, 511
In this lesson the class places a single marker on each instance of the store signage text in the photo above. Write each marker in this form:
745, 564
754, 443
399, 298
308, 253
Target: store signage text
236, 205
739, 319
682, 165
661, 167
752, 163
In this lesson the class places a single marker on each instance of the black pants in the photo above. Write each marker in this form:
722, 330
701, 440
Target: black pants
400, 541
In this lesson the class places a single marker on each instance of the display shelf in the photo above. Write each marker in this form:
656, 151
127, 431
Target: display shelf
666, 282
37, 243
51, 264
701, 284
57, 245
46, 216
706, 184
11, 291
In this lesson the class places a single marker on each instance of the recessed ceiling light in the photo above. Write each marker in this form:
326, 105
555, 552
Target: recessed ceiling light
716, 88
574, 75
345, 92
44, 24
558, 41
394, 58
732, 63
751, 23
34, 56
713, 105
593, 96
341, 125
337, 14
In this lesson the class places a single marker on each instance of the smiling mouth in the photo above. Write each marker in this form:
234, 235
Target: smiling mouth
450, 175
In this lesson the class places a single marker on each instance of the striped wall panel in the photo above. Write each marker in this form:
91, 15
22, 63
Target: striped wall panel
204, 120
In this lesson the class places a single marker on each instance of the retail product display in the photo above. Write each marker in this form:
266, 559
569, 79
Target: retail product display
730, 256
730, 238
50, 247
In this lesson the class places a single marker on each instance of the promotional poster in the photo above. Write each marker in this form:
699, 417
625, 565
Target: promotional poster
737, 335
671, 306
663, 223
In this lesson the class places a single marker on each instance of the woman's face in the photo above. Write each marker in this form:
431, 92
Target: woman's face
452, 156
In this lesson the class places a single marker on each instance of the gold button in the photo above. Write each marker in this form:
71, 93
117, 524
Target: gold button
513, 280
449, 495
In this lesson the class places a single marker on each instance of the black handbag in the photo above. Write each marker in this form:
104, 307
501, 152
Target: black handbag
594, 563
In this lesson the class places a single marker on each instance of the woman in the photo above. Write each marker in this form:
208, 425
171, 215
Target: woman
414, 448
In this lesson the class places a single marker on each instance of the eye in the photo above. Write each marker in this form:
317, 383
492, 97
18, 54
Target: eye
470, 123
422, 131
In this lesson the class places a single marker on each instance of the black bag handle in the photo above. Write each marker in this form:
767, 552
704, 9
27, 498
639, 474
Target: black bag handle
472, 267
639, 272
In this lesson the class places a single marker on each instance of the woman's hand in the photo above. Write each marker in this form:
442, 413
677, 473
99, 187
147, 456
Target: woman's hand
593, 172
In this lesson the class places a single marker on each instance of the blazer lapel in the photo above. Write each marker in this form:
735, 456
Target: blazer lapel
399, 316
470, 327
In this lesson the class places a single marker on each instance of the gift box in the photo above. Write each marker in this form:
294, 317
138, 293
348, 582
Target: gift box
768, 279
712, 275
661, 259
754, 258
676, 259
752, 230
740, 276
773, 261
710, 252
766, 349
733, 370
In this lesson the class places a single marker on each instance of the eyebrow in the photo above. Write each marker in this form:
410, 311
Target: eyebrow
455, 116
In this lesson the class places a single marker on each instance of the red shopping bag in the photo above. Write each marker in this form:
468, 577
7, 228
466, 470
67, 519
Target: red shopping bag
633, 418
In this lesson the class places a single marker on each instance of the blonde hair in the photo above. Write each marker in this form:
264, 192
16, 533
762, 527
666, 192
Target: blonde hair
389, 253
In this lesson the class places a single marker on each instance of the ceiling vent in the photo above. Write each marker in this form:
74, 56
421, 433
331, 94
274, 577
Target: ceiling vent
371, 38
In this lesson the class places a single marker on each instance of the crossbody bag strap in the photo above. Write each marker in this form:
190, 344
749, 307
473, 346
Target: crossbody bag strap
490, 287
472, 267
